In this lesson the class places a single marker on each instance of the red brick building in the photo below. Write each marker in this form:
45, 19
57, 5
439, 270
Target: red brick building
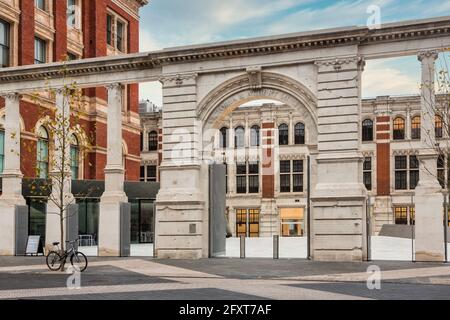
43, 31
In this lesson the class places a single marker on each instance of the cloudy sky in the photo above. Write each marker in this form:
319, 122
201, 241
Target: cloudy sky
169, 23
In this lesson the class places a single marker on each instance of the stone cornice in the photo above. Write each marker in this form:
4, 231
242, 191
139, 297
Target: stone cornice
360, 36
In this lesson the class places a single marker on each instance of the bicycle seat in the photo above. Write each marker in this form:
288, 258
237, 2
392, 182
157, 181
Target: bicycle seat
55, 243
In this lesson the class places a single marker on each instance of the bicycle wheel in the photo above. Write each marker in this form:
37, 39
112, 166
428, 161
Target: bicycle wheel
53, 261
79, 260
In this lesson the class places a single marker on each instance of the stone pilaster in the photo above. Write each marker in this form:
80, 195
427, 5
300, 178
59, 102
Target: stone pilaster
181, 204
338, 199
12, 176
429, 223
114, 195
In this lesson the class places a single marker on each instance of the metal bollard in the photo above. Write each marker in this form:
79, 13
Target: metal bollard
276, 247
242, 247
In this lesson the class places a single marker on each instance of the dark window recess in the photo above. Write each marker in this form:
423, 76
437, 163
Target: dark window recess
367, 130
283, 135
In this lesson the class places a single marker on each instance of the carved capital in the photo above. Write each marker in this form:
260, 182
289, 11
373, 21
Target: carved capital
113, 86
12, 96
339, 62
429, 54
255, 77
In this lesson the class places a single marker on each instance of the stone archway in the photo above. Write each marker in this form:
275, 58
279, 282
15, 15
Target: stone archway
230, 95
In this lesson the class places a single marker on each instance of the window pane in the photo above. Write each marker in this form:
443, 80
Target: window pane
400, 162
40, 4
438, 127
401, 215
253, 184
283, 135
413, 179
142, 174
254, 136
415, 128
109, 22
37, 213
241, 222
151, 173
40, 51
241, 168
4, 44
153, 141
241, 184
368, 180
239, 138
223, 142
2, 150
399, 129
120, 36
367, 130
413, 162
71, 9
285, 183
298, 182
400, 180
285, 166
299, 133
253, 168
367, 164
297, 166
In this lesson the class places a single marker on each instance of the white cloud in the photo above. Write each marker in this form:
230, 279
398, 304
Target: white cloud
151, 91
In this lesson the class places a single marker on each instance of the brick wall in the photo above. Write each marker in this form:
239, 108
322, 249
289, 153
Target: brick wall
383, 155
268, 165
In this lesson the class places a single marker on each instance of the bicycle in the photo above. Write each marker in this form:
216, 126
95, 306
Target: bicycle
57, 259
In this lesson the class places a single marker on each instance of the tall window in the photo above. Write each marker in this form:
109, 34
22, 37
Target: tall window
254, 136
2, 150
42, 153
120, 36
253, 177
239, 137
71, 13
151, 173
142, 174
406, 170
399, 129
40, 4
415, 128
74, 158
401, 169
153, 141
241, 178
4, 44
299, 132
283, 135
109, 32
285, 176
223, 138
367, 173
297, 175
413, 172
438, 127
367, 130
441, 170
247, 222
40, 51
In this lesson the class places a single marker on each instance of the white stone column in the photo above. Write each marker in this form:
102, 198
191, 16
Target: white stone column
114, 195
429, 220
339, 197
61, 149
12, 176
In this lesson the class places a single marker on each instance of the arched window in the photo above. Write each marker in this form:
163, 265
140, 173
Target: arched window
42, 154
367, 130
415, 128
254, 136
299, 131
153, 141
142, 141
223, 139
239, 137
438, 127
399, 129
283, 135
2, 150
74, 157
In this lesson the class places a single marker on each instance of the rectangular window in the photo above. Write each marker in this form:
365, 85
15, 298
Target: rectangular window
297, 175
4, 44
109, 32
40, 51
120, 36
401, 168
142, 174
75, 162
241, 178
292, 222
253, 177
40, 4
401, 215
413, 172
151, 173
241, 222
71, 13
285, 176
441, 170
367, 173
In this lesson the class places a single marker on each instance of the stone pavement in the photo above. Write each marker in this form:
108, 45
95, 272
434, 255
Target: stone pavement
222, 279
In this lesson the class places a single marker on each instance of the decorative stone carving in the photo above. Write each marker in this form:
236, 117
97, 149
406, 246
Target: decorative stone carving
255, 77
433, 54
178, 79
338, 63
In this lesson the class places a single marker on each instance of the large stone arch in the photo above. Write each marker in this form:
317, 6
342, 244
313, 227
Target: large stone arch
228, 96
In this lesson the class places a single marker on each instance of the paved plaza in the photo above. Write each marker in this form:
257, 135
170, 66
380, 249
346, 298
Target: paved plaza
26, 278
